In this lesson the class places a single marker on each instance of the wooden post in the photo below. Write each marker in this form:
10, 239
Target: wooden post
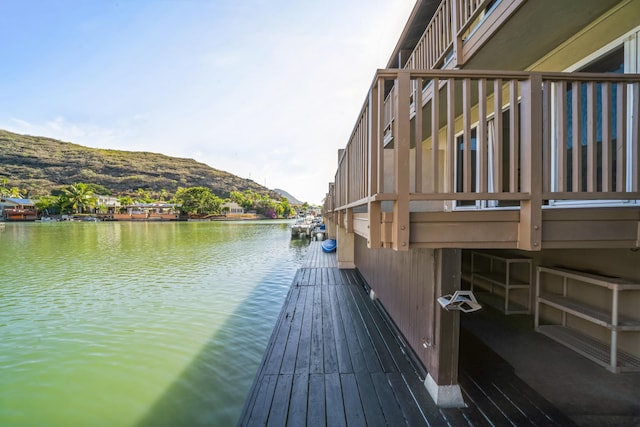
401, 146
373, 148
442, 378
531, 176
455, 37
345, 250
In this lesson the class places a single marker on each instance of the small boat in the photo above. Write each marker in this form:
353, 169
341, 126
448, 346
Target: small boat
46, 219
303, 227
329, 245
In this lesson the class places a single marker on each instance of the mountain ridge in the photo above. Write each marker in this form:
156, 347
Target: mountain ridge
38, 165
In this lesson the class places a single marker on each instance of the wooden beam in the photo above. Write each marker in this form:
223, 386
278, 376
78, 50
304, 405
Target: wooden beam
375, 225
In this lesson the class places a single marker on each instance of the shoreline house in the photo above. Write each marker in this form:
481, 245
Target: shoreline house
156, 211
232, 210
106, 205
17, 209
498, 152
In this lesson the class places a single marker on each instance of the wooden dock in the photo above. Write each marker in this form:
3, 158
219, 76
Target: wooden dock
334, 359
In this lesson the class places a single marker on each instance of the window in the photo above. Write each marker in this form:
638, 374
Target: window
612, 62
461, 173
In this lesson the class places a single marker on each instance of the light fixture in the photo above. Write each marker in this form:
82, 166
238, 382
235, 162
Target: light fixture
464, 301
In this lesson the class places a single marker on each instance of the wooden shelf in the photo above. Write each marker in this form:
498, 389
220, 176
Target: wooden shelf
497, 302
590, 348
592, 314
499, 279
489, 271
606, 316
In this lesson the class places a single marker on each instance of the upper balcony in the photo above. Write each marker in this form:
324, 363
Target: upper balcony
489, 34
490, 159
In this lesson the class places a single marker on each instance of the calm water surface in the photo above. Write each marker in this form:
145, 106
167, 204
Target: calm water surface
137, 324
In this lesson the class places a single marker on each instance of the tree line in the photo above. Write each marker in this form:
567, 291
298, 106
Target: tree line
83, 198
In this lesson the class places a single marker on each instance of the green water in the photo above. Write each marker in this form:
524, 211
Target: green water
137, 324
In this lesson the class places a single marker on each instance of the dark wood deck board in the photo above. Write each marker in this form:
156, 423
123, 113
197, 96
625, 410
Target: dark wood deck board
342, 346
280, 404
298, 407
262, 402
295, 318
412, 414
329, 341
304, 345
335, 402
351, 397
361, 332
316, 406
373, 320
358, 362
388, 404
369, 399
316, 362
335, 359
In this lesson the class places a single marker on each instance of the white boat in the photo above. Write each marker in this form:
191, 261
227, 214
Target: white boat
46, 219
303, 227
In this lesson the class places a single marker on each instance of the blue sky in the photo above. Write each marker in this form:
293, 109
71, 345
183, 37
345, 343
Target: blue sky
266, 90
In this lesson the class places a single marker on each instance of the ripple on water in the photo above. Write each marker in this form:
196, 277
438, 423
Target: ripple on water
159, 321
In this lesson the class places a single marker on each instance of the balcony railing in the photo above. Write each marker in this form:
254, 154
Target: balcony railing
469, 139
445, 32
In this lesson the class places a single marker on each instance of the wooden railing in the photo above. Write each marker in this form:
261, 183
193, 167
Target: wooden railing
444, 33
455, 136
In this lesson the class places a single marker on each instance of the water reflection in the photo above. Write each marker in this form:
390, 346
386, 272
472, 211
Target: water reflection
137, 323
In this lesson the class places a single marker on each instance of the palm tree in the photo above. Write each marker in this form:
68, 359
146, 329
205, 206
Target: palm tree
80, 197
3, 187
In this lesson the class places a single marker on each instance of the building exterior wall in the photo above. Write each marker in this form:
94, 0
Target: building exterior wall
408, 285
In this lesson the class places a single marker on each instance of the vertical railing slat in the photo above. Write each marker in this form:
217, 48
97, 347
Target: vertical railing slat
374, 136
635, 137
482, 148
607, 163
451, 137
466, 130
621, 137
417, 102
514, 136
561, 136
576, 138
592, 157
380, 141
375, 152
435, 134
546, 136
498, 136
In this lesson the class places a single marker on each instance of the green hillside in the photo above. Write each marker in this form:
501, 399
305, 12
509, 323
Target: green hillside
38, 165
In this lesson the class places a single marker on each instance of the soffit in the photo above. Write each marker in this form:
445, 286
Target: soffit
414, 28
535, 29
